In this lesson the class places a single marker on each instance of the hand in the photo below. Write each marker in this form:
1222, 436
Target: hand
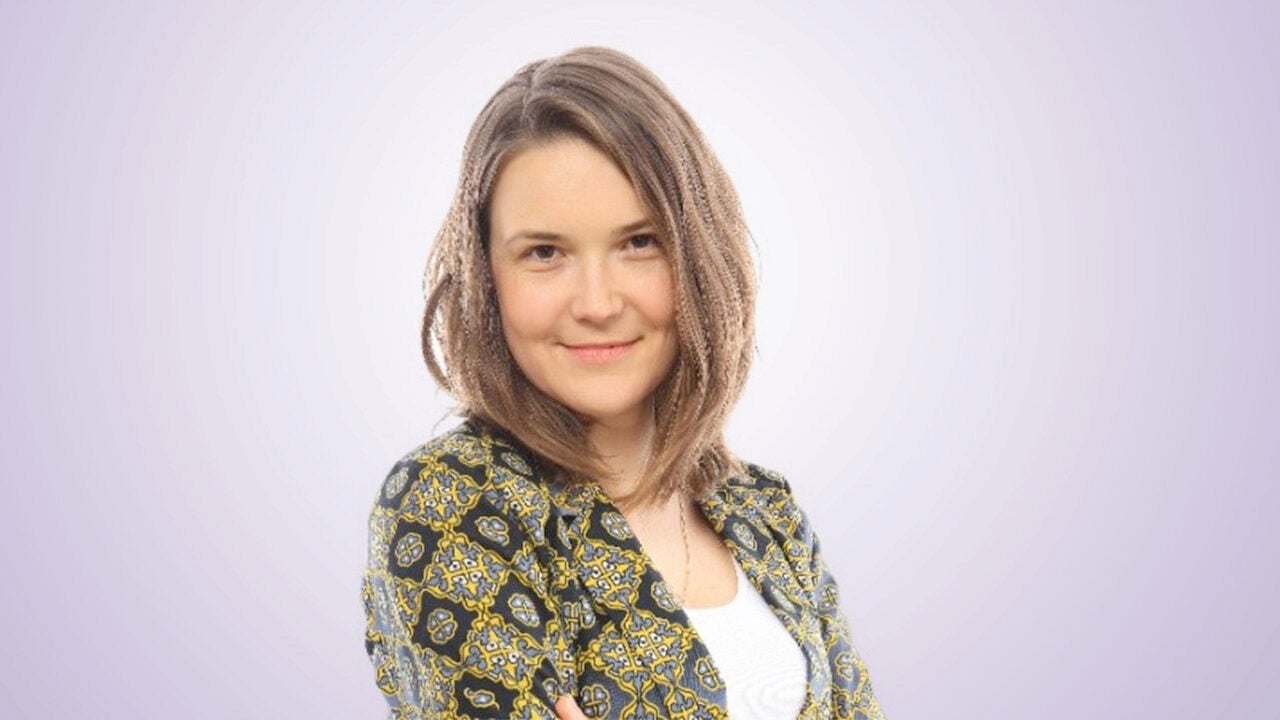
567, 709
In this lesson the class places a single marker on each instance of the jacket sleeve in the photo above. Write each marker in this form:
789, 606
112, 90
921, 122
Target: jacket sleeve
459, 619
852, 696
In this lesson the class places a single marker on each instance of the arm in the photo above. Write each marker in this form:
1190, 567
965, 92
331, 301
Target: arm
459, 620
852, 696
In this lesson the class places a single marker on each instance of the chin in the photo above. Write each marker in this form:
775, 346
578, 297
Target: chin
602, 415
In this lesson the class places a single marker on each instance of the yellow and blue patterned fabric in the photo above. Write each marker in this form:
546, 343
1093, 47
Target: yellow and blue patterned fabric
490, 592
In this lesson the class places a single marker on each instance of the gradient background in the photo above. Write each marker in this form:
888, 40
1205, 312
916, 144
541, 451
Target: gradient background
1019, 333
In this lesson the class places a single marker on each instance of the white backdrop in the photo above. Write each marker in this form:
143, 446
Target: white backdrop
1018, 333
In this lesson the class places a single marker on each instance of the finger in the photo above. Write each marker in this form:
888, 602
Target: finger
567, 709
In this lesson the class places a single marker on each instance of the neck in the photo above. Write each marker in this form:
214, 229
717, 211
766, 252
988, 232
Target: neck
624, 443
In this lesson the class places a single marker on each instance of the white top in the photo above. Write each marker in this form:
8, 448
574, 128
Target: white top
763, 670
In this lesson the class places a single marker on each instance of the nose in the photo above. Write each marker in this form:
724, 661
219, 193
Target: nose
596, 297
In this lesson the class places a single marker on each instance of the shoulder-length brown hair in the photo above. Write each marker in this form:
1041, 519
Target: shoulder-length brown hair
608, 99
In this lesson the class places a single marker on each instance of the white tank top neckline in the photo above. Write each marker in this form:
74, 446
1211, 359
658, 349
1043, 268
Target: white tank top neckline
762, 667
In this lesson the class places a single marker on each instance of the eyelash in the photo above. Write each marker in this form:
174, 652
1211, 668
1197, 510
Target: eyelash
532, 252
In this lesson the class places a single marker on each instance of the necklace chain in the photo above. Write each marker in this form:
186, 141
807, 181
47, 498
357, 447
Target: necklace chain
688, 563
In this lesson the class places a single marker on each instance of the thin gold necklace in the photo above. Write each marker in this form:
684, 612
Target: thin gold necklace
688, 562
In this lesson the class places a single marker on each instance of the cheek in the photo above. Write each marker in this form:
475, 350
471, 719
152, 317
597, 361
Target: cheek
526, 314
664, 319
660, 301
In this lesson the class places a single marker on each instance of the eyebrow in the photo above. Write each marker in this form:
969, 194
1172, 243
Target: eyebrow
542, 235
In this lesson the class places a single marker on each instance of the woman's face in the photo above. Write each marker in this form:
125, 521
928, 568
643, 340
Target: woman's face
584, 286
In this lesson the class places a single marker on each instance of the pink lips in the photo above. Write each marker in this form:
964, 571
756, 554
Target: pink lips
601, 353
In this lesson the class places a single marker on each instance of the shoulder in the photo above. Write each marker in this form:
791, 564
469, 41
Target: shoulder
758, 484
466, 467
766, 479
760, 493
766, 494
468, 456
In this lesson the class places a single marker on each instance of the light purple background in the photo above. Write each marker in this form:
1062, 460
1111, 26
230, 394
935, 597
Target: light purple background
1019, 333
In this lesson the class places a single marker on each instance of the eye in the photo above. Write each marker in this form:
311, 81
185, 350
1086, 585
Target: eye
542, 253
643, 242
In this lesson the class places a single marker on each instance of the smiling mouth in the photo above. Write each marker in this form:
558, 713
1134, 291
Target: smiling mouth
600, 352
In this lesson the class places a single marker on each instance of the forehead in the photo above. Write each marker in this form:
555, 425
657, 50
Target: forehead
565, 186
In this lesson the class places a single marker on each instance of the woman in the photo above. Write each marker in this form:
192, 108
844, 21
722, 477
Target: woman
584, 544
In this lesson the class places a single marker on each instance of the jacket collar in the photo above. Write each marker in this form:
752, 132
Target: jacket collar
747, 519
747, 513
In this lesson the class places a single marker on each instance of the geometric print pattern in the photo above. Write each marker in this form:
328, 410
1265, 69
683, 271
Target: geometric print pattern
490, 592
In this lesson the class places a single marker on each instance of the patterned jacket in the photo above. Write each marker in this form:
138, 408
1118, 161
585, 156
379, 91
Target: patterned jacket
490, 592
